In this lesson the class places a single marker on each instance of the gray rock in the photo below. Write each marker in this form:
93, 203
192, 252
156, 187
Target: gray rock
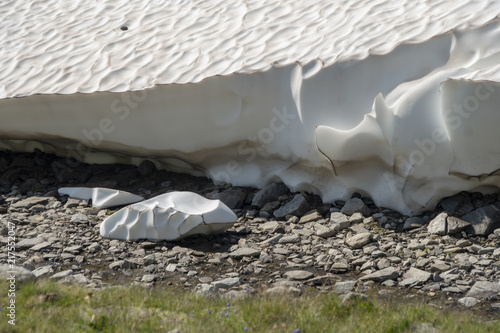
75, 249
321, 280
356, 218
413, 223
343, 287
29, 202
420, 275
311, 216
79, 218
130, 264
438, 225
298, 206
269, 193
80, 278
148, 278
326, 232
298, 275
339, 221
389, 273
484, 290
289, 239
233, 197
227, 283
483, 220
43, 271
62, 274
359, 240
468, 302
244, 252
27, 243
339, 218
454, 225
409, 282
459, 203
355, 205
21, 274
41, 246
205, 289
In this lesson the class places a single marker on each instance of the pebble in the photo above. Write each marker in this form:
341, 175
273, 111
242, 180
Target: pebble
299, 275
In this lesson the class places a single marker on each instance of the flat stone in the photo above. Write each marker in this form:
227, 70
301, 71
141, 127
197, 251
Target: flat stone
355, 205
41, 246
356, 218
227, 283
62, 274
298, 206
148, 278
326, 232
438, 225
80, 278
484, 290
389, 273
409, 282
440, 266
468, 302
413, 223
339, 221
29, 202
312, 216
27, 243
79, 218
420, 275
321, 280
483, 220
289, 239
75, 249
43, 271
298, 275
244, 252
269, 193
130, 264
343, 287
359, 240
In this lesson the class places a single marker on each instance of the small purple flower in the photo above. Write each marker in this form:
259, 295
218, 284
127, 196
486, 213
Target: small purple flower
227, 314
245, 329
297, 330
209, 312
228, 305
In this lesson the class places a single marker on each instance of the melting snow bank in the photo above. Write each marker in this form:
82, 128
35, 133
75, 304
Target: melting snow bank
406, 124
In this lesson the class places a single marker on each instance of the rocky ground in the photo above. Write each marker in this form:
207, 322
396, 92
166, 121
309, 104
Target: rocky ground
282, 242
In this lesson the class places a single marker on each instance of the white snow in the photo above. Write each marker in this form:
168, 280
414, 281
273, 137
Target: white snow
101, 197
397, 100
169, 216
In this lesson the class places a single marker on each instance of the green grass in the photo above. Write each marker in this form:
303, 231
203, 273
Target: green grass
49, 307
